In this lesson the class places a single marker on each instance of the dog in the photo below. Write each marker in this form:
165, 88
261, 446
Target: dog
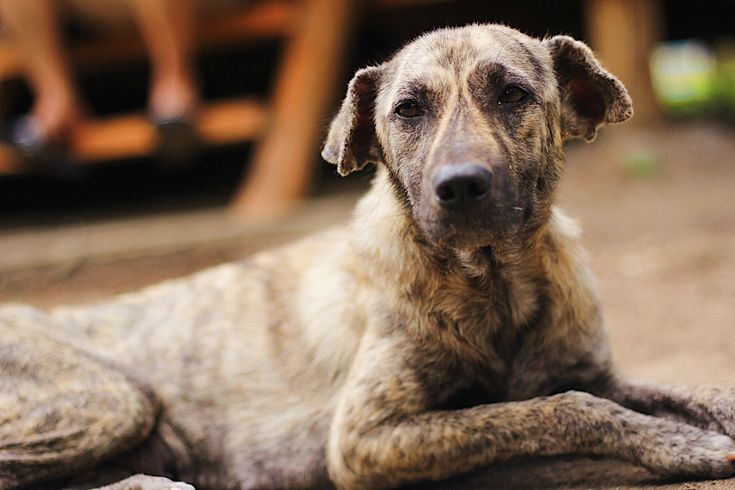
450, 326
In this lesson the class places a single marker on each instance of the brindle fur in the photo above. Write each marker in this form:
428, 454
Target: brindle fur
411, 344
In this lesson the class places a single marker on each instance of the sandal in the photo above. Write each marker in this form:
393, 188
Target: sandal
178, 141
27, 136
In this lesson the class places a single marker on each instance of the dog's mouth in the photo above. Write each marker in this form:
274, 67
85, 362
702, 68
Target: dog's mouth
475, 229
468, 205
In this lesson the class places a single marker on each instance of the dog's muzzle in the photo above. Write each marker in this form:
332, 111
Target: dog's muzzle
479, 196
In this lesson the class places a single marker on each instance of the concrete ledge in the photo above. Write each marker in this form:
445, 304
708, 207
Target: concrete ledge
32, 260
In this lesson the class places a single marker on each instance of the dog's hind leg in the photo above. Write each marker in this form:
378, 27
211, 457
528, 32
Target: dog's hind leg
62, 410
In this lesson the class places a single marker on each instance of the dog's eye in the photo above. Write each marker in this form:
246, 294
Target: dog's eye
409, 109
512, 95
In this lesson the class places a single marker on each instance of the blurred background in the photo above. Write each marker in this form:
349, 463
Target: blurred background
145, 139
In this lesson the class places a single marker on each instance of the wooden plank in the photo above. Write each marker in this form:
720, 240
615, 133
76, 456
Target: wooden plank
623, 33
264, 20
108, 139
232, 121
133, 135
244, 23
11, 61
8, 163
282, 165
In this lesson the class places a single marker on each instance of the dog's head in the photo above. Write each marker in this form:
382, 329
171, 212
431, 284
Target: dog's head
470, 123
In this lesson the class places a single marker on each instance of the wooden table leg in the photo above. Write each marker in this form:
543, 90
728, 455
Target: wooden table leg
623, 33
282, 166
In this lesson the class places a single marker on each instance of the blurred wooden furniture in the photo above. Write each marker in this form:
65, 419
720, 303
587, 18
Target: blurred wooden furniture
280, 170
623, 34
133, 135
288, 129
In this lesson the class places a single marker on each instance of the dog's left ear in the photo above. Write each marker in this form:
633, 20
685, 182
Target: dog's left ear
351, 142
590, 95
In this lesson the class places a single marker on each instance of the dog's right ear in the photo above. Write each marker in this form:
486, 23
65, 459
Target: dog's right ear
351, 143
590, 95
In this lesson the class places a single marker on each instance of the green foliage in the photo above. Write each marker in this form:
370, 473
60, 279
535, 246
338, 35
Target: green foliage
642, 165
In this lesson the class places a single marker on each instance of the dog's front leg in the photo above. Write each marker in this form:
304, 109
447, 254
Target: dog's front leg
385, 432
708, 407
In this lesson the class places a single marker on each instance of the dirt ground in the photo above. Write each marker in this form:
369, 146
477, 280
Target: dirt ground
657, 207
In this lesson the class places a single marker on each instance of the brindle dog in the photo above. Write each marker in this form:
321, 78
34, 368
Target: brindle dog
443, 330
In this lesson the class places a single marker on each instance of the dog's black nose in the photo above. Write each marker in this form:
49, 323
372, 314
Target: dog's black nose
462, 183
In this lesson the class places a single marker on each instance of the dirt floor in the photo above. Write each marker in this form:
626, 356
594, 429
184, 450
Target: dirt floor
658, 211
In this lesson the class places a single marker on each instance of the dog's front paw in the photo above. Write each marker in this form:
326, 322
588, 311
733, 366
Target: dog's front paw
719, 403
693, 453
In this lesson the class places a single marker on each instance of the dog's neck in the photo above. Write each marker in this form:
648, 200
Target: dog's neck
387, 236
479, 301
386, 231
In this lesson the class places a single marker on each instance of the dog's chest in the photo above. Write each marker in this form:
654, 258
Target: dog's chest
487, 332
475, 392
